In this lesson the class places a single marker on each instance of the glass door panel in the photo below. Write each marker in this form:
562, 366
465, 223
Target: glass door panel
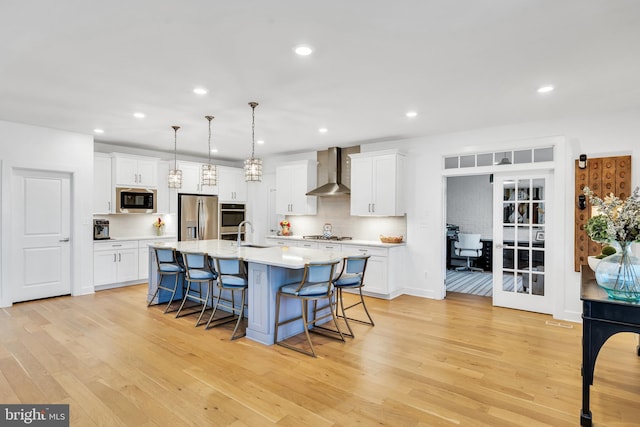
519, 250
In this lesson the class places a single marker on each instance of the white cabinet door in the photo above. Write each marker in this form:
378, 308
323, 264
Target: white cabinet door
126, 171
231, 185
148, 173
376, 188
361, 186
191, 179
283, 190
376, 279
135, 172
127, 265
384, 186
163, 193
102, 187
292, 183
143, 262
115, 262
105, 267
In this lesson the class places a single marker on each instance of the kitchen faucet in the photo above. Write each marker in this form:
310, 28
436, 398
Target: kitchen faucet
240, 229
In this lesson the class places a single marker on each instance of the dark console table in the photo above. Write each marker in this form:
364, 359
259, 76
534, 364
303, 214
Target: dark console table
602, 317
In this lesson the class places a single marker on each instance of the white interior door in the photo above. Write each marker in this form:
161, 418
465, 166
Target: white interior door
520, 224
40, 226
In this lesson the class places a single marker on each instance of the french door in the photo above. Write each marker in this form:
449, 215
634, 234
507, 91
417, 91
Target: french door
40, 265
521, 207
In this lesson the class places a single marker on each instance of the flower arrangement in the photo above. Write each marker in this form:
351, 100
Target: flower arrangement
286, 227
159, 223
617, 220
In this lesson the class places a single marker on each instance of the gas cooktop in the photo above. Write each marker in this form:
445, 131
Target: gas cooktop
321, 237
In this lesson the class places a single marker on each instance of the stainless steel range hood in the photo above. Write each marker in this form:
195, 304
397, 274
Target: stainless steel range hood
334, 187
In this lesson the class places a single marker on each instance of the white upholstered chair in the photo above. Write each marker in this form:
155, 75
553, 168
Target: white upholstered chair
469, 246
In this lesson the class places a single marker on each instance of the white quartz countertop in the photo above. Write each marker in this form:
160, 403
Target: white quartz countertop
279, 256
353, 242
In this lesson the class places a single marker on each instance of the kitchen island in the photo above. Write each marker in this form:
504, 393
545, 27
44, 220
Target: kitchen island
269, 268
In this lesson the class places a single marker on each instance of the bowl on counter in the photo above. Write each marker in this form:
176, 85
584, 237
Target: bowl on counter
391, 239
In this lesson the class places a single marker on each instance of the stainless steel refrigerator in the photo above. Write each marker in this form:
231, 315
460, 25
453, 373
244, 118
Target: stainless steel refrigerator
197, 217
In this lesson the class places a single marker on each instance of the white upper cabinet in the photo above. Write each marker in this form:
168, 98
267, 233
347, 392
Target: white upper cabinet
102, 187
191, 179
231, 184
376, 184
293, 181
135, 172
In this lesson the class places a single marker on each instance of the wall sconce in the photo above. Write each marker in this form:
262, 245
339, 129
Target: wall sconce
582, 161
582, 202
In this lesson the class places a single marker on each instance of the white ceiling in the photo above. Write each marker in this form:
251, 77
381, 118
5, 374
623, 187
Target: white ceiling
461, 64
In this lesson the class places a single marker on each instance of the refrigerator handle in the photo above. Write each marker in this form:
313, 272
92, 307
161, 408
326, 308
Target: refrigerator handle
200, 220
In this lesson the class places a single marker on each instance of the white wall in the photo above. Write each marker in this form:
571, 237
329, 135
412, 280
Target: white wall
23, 146
597, 136
470, 204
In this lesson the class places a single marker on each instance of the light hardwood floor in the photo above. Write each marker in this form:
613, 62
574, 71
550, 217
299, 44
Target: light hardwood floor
458, 362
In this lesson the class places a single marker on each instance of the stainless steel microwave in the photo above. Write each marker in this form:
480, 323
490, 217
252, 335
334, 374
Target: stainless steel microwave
136, 200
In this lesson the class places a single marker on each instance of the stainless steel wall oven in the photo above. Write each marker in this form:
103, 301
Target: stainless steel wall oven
230, 216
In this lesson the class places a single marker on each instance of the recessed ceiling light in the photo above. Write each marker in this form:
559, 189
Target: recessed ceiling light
139, 115
303, 50
545, 89
260, 141
200, 91
323, 130
98, 130
411, 114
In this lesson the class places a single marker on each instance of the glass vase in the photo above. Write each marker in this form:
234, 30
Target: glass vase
619, 274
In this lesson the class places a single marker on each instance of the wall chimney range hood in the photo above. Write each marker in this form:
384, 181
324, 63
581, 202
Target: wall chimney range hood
334, 187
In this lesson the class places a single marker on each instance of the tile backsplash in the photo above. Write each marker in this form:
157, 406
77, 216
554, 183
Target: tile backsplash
336, 211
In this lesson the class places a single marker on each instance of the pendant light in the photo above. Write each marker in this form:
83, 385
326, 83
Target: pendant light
504, 161
209, 172
175, 174
253, 166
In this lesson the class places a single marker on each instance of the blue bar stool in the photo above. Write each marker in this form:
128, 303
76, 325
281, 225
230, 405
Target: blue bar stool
232, 277
167, 265
315, 286
351, 277
198, 272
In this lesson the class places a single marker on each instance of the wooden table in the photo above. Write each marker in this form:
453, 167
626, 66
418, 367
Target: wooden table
602, 317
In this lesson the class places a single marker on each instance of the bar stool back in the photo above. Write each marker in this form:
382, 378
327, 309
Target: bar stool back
352, 277
232, 277
198, 272
315, 286
168, 266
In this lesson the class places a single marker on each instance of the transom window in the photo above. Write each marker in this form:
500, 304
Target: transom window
508, 157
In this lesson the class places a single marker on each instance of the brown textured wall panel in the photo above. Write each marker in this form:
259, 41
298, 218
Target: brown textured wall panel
603, 176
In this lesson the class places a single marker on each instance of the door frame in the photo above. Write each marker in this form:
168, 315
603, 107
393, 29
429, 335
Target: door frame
558, 173
6, 217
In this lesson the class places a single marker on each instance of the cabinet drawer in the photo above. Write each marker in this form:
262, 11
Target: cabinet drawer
115, 245
367, 250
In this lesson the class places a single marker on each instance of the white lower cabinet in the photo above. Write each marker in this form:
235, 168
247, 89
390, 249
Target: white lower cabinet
115, 262
384, 275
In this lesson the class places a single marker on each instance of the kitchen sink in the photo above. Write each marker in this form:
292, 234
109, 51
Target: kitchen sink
254, 246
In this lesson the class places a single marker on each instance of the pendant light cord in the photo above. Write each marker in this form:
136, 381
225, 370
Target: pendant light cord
253, 128
209, 118
175, 146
